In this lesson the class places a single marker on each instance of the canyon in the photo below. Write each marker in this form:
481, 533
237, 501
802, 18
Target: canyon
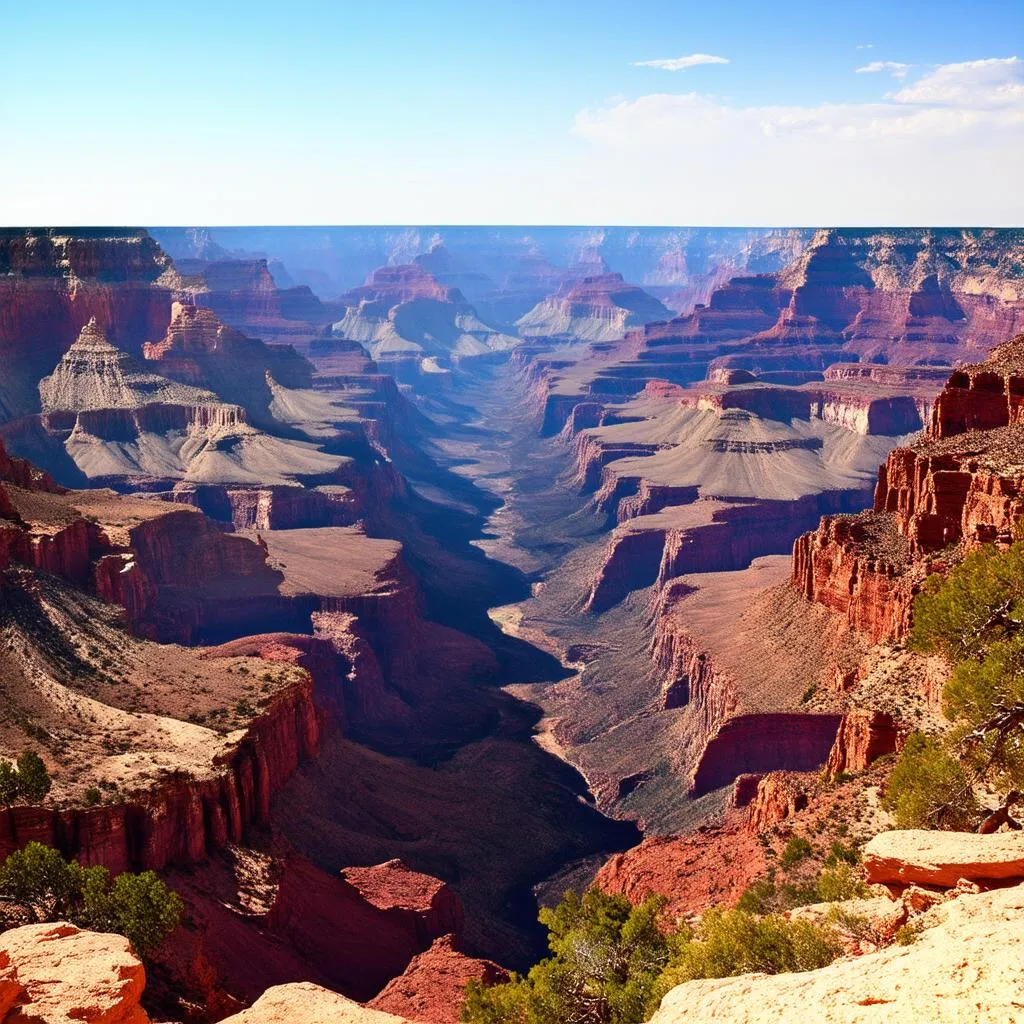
384, 583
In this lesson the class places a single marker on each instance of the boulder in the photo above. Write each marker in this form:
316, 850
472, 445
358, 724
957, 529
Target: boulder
65, 975
943, 858
305, 1003
966, 965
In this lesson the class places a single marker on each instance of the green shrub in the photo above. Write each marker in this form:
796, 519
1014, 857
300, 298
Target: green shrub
731, 942
838, 883
606, 956
8, 783
797, 849
33, 778
92, 796
839, 852
975, 605
928, 788
975, 617
40, 878
29, 780
987, 696
140, 907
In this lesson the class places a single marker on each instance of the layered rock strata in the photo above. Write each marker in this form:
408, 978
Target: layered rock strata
958, 487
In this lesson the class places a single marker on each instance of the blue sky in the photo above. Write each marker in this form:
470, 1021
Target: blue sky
528, 112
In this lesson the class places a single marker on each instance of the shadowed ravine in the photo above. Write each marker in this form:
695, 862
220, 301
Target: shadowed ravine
496, 813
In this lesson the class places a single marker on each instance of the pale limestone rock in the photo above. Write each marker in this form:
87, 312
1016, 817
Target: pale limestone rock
943, 858
306, 1003
966, 965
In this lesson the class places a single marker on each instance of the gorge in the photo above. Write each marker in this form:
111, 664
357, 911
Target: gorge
387, 586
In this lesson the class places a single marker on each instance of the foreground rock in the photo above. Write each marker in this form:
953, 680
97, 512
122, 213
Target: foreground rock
304, 1003
56, 974
943, 858
968, 964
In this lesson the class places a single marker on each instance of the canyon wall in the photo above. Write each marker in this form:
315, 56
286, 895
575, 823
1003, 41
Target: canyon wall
958, 487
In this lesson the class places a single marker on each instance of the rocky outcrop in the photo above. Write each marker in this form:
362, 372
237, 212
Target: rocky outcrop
696, 871
58, 974
199, 349
400, 892
965, 965
856, 566
182, 822
864, 735
244, 294
941, 859
958, 487
779, 796
432, 988
179, 574
305, 1003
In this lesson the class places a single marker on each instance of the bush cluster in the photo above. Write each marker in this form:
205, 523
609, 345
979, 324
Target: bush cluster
611, 963
138, 906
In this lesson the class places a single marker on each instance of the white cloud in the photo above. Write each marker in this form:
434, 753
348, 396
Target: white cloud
681, 63
894, 67
995, 82
945, 148
864, 46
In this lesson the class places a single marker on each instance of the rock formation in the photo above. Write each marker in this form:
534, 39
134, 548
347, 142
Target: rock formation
956, 488
600, 308
198, 348
409, 321
941, 859
303, 1003
432, 987
57, 973
93, 374
966, 964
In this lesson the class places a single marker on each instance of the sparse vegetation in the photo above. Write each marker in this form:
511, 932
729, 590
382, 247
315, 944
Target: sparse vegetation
138, 906
797, 849
611, 963
730, 942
